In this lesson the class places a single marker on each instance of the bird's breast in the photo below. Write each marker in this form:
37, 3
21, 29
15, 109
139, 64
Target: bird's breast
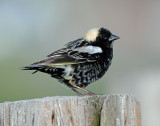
86, 73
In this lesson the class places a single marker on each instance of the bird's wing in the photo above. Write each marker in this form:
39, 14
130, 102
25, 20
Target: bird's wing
59, 57
77, 43
87, 53
71, 45
76, 52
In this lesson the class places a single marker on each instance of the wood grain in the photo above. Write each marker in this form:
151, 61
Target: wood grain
100, 110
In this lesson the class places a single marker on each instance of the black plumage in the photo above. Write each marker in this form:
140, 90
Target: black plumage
81, 61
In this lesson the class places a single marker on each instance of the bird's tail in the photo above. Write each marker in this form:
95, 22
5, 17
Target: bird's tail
37, 68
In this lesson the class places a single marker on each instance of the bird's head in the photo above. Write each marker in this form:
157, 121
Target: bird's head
100, 35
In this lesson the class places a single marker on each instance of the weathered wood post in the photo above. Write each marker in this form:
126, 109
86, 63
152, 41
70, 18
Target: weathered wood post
100, 110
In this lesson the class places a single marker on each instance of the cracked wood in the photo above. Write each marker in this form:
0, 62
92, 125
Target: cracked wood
100, 110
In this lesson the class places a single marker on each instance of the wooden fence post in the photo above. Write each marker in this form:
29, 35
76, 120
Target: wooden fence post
100, 110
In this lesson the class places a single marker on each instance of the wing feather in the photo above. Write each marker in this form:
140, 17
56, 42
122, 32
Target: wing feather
76, 52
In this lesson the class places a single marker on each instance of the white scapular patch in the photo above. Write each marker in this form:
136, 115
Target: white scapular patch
89, 49
92, 34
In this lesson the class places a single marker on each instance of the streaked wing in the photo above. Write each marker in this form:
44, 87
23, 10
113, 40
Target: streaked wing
59, 57
71, 45
86, 53
58, 52
74, 55
77, 43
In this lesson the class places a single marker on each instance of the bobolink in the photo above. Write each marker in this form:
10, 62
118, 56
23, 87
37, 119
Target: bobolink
81, 61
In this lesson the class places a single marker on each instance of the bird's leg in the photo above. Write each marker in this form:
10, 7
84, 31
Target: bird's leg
76, 91
82, 89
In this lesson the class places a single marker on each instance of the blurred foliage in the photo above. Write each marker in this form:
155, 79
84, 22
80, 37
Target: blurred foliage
29, 30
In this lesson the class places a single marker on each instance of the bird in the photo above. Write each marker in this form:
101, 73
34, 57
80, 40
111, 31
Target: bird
81, 61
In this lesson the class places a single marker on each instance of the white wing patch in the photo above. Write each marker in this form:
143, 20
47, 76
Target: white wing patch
89, 49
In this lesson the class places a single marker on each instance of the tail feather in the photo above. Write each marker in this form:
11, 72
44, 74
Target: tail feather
33, 67
37, 68
55, 72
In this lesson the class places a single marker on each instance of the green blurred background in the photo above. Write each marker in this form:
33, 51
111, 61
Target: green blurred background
30, 30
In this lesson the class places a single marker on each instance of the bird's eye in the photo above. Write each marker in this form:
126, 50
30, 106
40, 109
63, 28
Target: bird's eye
105, 37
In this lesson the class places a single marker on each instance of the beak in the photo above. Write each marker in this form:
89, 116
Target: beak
113, 37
